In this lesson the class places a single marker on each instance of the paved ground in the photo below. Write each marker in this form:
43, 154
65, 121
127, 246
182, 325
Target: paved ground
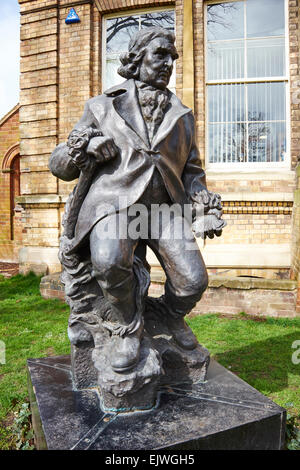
8, 269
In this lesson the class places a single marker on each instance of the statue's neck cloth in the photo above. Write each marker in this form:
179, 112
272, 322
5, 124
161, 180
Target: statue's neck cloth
153, 103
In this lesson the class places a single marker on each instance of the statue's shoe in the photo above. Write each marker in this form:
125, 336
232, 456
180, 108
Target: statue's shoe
182, 333
125, 352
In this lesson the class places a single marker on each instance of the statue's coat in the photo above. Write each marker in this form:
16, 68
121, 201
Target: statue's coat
120, 182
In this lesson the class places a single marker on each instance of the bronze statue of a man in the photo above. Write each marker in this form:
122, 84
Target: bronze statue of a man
135, 144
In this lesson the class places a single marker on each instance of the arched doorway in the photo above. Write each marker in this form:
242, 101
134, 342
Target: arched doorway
14, 191
11, 165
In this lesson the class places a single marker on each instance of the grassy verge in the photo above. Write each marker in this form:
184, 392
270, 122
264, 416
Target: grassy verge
30, 326
258, 350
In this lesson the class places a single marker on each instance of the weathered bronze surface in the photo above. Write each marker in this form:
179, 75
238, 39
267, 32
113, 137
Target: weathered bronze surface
134, 152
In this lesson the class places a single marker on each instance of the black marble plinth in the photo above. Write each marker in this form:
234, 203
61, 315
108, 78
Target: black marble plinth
222, 413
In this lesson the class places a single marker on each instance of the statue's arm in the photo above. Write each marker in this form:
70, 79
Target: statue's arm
207, 207
193, 176
61, 163
86, 144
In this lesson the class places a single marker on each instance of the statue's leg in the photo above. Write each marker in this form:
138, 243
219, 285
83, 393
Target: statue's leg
112, 260
187, 279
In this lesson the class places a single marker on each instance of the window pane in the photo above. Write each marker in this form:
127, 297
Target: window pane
266, 101
225, 21
246, 121
225, 60
267, 142
119, 31
111, 76
164, 19
265, 18
226, 103
266, 57
227, 143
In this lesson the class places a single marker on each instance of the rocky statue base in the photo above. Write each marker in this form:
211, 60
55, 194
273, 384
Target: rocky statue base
223, 412
92, 332
161, 362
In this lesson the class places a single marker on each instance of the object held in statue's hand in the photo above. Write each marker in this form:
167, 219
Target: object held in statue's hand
208, 214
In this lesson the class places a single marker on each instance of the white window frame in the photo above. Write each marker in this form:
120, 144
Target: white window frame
248, 166
120, 14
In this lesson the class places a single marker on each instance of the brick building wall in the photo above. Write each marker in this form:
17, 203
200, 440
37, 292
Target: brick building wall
10, 228
265, 233
61, 68
258, 297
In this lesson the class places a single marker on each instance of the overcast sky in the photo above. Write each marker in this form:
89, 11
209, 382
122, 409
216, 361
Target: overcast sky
9, 54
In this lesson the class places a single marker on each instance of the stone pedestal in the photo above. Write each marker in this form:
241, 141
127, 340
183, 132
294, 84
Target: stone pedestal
224, 412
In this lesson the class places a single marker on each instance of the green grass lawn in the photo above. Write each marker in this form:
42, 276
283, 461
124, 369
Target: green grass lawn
31, 327
259, 350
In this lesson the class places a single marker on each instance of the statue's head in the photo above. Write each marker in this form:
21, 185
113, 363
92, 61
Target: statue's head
150, 57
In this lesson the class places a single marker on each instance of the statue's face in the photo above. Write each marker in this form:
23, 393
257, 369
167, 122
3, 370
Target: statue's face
157, 64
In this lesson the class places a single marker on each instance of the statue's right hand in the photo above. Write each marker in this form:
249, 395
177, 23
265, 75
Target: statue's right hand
102, 148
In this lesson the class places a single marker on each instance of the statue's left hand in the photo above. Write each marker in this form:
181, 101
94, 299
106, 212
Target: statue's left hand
207, 200
208, 214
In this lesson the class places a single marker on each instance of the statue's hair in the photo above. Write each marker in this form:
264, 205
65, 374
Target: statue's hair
137, 47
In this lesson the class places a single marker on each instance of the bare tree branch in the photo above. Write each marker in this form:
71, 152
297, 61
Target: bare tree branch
219, 14
163, 19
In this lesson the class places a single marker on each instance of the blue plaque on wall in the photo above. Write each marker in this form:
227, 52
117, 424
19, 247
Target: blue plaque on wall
72, 17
